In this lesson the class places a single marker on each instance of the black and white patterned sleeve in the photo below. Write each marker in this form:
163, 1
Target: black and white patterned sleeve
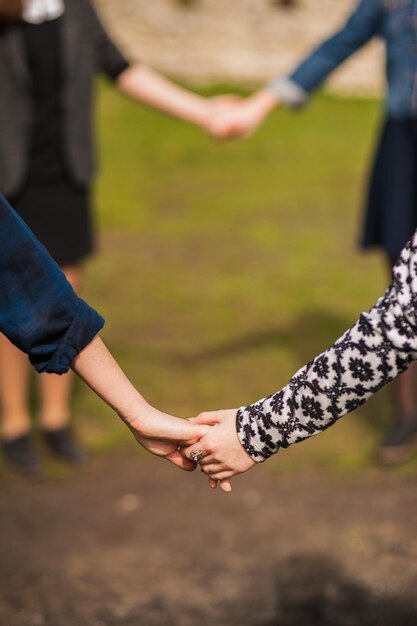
381, 345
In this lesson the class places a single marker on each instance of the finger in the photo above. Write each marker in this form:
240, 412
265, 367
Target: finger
194, 433
179, 460
223, 128
187, 451
209, 419
209, 463
209, 460
225, 485
223, 475
223, 114
214, 468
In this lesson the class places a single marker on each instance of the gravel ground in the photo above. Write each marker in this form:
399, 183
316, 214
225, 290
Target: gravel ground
128, 541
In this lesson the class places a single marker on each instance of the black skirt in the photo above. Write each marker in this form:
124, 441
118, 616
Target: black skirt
60, 216
391, 211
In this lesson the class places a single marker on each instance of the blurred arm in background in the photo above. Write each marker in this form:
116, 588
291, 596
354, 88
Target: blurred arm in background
147, 86
243, 119
381, 345
41, 315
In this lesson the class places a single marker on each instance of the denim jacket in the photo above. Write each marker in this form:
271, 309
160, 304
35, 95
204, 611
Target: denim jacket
393, 20
39, 311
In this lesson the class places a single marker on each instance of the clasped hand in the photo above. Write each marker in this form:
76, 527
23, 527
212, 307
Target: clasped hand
210, 439
220, 453
212, 435
231, 116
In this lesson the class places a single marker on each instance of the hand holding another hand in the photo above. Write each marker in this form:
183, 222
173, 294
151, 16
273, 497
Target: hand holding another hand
231, 116
163, 434
222, 454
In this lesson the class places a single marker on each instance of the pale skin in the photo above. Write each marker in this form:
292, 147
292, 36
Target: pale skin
157, 432
242, 117
223, 454
148, 87
55, 391
143, 84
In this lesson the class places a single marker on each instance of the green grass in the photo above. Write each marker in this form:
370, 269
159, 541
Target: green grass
225, 267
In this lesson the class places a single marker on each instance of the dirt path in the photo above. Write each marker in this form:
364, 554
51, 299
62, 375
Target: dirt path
128, 542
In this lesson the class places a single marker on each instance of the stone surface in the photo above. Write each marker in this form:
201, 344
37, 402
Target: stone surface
246, 41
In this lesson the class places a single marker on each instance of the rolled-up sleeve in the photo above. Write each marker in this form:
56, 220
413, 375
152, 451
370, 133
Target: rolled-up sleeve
364, 23
39, 311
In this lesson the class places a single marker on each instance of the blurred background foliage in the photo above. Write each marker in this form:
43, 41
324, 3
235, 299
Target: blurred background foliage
225, 267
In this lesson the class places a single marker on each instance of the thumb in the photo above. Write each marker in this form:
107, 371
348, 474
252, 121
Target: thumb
210, 419
194, 433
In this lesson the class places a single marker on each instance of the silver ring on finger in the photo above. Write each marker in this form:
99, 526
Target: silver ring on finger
196, 455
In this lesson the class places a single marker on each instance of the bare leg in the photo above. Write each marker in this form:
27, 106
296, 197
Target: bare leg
54, 413
16, 443
14, 374
55, 410
56, 390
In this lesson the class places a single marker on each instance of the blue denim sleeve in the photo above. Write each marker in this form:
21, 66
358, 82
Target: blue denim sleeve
39, 311
364, 23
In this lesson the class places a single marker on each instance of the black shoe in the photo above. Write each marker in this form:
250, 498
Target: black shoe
400, 441
63, 444
20, 454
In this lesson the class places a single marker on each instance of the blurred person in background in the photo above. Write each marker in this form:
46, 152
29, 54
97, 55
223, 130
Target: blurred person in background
50, 53
41, 314
391, 209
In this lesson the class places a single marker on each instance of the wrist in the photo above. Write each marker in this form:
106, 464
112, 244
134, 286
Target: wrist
201, 113
287, 92
264, 101
135, 412
250, 434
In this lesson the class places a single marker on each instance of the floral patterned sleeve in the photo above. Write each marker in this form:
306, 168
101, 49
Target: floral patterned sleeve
381, 345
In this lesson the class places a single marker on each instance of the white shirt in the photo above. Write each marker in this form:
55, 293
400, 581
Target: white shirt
38, 11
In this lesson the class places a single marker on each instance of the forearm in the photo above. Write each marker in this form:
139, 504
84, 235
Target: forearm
264, 101
381, 345
158, 432
294, 89
99, 370
145, 85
